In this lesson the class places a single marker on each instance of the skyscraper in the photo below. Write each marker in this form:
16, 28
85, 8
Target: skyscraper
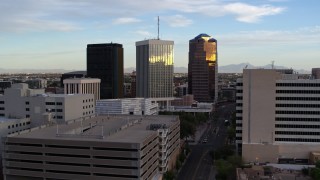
203, 68
105, 61
154, 68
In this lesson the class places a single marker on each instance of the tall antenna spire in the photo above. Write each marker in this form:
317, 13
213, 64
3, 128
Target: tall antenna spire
158, 27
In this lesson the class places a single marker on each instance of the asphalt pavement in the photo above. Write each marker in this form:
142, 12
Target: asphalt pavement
199, 165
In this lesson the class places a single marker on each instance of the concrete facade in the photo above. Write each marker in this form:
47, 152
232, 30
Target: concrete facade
82, 86
277, 116
21, 102
113, 148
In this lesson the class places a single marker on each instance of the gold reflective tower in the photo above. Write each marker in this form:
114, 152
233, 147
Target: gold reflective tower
154, 68
203, 68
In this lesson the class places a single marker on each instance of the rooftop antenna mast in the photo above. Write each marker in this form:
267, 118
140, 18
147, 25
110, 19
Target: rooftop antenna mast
158, 27
272, 64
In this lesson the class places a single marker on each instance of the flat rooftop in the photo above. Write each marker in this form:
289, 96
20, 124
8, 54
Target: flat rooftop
122, 128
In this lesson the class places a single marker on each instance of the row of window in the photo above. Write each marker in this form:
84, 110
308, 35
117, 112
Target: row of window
238, 111
239, 91
298, 91
297, 133
54, 110
1, 115
86, 107
88, 113
297, 140
298, 112
239, 84
1, 102
239, 104
88, 100
290, 98
299, 105
54, 103
18, 125
57, 117
298, 84
298, 98
298, 119
1, 108
297, 126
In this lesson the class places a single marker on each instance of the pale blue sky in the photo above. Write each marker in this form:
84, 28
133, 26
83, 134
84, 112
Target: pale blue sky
53, 34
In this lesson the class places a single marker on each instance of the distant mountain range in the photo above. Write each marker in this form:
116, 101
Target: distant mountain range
232, 68
238, 68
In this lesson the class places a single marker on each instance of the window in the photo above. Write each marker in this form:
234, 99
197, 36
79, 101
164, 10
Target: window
27, 109
59, 103
1, 102
1, 108
27, 116
50, 103
1, 115
59, 117
59, 110
8, 127
27, 102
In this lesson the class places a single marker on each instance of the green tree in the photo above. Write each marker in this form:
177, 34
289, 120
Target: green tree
315, 173
231, 133
169, 175
318, 164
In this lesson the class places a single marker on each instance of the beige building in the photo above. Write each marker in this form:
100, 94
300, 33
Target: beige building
21, 102
82, 86
104, 147
278, 116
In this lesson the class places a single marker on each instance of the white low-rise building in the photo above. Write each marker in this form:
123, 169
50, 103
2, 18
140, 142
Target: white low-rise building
82, 86
21, 102
134, 106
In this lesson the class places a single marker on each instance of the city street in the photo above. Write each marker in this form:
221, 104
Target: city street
199, 165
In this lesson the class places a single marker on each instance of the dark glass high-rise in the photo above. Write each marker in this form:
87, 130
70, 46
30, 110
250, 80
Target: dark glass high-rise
105, 61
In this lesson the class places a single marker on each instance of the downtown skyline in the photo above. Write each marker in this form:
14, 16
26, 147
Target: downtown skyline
54, 34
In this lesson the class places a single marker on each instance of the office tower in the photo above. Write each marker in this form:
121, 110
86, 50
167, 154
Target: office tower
154, 65
133, 84
203, 68
315, 73
82, 86
103, 147
105, 61
278, 116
